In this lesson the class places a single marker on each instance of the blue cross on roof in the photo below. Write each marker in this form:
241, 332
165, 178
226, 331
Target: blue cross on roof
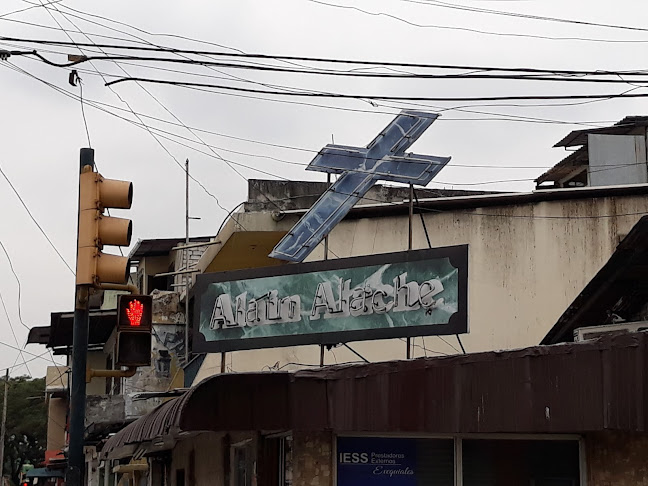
384, 159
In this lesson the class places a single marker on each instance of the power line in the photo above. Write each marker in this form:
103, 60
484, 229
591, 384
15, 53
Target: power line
358, 62
36, 222
381, 97
436, 3
85, 121
23, 364
155, 34
19, 286
27, 8
256, 169
472, 30
13, 332
140, 125
216, 154
350, 74
134, 114
495, 116
13, 271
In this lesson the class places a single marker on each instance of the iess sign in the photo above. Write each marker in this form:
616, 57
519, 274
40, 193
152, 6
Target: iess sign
414, 293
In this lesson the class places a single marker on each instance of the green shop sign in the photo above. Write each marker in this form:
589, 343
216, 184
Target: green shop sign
414, 293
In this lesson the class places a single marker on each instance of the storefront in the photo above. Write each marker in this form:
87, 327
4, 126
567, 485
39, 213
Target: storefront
562, 415
470, 461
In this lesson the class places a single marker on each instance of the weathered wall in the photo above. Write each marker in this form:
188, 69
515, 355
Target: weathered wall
104, 409
151, 266
167, 353
526, 265
207, 449
56, 420
96, 360
312, 459
615, 459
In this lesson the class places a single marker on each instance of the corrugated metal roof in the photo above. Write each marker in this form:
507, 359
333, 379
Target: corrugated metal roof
160, 246
568, 388
566, 166
629, 125
155, 424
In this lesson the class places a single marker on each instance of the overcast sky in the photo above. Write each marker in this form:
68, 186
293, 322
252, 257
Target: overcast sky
42, 129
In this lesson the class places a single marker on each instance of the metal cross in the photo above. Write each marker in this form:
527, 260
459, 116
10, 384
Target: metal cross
360, 168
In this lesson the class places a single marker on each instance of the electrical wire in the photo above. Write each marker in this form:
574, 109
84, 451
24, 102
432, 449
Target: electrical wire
27, 8
532, 74
147, 128
496, 116
436, 3
85, 121
481, 183
13, 271
350, 170
40, 228
381, 97
13, 332
355, 62
23, 364
472, 30
349, 74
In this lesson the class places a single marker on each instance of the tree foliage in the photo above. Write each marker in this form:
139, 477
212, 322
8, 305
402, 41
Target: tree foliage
26, 435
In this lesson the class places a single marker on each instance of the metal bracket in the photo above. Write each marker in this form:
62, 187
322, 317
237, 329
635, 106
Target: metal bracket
128, 287
92, 373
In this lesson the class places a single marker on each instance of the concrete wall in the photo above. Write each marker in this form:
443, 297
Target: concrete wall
617, 459
56, 421
312, 459
526, 265
97, 360
207, 449
150, 266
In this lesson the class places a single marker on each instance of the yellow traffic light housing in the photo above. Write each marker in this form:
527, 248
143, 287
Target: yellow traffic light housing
96, 229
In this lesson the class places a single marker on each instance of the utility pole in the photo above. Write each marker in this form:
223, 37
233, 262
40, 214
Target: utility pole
76, 456
4, 426
186, 262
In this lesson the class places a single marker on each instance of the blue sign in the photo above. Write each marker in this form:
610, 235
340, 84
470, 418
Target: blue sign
375, 461
360, 168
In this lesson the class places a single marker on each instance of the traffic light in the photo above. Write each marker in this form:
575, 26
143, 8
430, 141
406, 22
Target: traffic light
134, 324
96, 229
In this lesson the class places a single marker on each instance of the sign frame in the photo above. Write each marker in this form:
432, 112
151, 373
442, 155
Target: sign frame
457, 324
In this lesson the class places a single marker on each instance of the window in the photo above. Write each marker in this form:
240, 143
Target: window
243, 469
382, 460
180, 477
516, 462
434, 462
285, 461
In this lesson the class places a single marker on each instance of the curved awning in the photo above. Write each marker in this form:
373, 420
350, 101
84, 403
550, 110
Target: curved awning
157, 423
219, 403
590, 386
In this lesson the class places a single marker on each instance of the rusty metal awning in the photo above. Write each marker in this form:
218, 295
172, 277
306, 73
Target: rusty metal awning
568, 388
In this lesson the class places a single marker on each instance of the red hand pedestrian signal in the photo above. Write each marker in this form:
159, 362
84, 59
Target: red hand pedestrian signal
134, 327
134, 312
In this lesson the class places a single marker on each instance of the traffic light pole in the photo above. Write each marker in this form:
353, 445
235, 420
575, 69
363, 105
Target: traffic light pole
76, 457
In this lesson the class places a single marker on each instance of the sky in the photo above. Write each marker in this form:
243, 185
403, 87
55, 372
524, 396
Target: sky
139, 130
